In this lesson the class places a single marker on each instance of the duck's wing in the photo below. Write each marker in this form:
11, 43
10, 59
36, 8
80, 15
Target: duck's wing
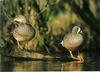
73, 40
23, 30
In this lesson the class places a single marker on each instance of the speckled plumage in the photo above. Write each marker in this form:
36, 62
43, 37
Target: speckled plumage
73, 40
23, 32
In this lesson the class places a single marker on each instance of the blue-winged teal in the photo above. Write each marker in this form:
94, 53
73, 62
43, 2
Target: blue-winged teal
23, 32
73, 40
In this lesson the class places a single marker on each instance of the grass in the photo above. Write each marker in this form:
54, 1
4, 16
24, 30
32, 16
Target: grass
57, 17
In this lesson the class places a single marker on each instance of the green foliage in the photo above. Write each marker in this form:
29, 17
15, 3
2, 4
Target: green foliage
57, 16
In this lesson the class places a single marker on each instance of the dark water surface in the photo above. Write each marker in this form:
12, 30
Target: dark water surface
91, 63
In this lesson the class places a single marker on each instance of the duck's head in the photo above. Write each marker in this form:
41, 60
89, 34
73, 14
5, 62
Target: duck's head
76, 30
20, 19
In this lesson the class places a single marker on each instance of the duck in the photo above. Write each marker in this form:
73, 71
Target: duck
72, 41
22, 32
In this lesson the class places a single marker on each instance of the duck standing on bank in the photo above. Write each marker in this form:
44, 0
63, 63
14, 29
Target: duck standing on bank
23, 32
72, 41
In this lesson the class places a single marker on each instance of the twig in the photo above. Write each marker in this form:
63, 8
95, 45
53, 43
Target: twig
4, 11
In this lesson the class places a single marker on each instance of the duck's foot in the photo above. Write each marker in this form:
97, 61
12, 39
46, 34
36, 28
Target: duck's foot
80, 59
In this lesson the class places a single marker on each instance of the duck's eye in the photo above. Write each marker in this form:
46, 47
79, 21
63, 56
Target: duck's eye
77, 29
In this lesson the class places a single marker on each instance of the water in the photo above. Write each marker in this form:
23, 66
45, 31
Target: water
91, 63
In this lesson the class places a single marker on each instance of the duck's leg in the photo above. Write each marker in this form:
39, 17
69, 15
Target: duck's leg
26, 46
72, 55
19, 46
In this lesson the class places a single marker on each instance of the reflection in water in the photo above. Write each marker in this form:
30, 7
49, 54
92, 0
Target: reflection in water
92, 62
71, 66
